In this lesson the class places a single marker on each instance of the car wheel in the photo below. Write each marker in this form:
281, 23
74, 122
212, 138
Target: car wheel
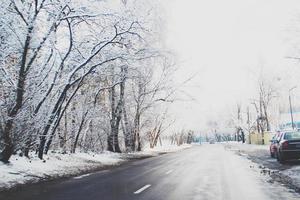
280, 158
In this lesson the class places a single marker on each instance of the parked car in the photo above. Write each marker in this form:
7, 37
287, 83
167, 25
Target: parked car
274, 144
288, 146
211, 141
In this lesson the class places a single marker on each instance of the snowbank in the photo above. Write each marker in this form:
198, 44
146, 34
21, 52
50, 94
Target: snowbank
246, 147
22, 170
166, 148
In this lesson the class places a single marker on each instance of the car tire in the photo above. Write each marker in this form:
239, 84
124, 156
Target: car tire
280, 158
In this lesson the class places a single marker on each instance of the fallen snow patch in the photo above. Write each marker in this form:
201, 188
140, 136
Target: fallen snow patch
22, 170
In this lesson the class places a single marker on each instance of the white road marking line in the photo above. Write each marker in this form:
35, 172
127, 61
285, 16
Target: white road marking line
169, 172
142, 189
82, 176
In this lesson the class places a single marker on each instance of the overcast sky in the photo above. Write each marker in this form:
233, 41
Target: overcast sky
228, 44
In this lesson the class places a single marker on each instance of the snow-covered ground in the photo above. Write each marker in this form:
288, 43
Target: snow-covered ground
287, 174
22, 170
247, 147
166, 149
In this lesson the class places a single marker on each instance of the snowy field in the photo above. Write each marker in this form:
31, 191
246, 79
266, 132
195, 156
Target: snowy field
22, 170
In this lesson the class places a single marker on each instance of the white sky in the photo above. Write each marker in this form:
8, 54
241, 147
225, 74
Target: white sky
227, 43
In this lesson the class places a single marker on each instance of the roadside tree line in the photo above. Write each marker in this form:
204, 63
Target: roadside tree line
81, 74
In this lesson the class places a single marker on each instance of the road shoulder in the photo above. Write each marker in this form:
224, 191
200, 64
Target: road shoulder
285, 174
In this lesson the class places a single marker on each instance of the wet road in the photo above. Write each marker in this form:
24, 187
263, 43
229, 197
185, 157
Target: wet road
207, 172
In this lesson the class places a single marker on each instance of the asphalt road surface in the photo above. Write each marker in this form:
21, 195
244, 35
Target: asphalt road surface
207, 172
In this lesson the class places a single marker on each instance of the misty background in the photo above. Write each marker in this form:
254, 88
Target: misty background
226, 47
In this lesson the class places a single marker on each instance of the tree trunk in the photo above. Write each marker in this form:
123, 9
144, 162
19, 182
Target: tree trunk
49, 141
8, 144
110, 141
8, 147
116, 113
116, 141
127, 131
266, 117
28, 145
79, 131
137, 131
137, 117
64, 139
112, 96
41, 147
50, 121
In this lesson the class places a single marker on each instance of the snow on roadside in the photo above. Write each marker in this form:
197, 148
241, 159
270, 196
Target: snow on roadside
248, 181
22, 170
287, 174
165, 149
294, 174
247, 147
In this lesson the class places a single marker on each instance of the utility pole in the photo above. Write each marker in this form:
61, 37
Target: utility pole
291, 108
261, 118
200, 139
239, 122
248, 123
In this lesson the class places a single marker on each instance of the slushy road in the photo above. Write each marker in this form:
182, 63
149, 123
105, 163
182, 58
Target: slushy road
208, 172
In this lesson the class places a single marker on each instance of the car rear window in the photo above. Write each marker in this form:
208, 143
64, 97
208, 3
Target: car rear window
292, 136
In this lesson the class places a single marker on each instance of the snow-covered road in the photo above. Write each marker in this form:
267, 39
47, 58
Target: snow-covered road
228, 176
211, 172
208, 172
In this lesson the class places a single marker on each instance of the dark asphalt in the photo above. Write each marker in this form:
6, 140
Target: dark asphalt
200, 172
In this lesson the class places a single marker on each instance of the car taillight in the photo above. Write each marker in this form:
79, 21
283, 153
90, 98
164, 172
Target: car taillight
285, 145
